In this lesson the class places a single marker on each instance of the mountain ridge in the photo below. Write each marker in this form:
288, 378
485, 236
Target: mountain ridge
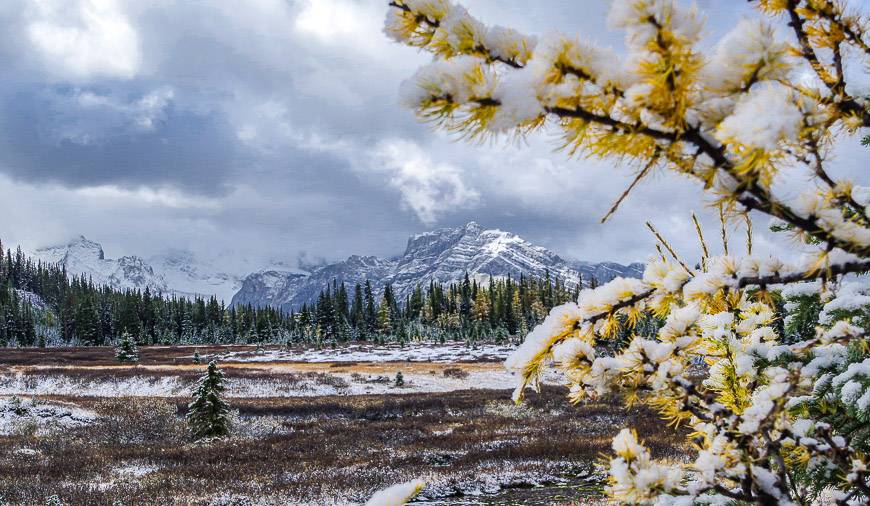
187, 275
442, 255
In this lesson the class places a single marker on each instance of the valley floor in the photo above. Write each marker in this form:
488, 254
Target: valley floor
317, 432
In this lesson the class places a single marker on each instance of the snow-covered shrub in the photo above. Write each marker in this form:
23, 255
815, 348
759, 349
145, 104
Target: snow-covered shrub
782, 407
126, 350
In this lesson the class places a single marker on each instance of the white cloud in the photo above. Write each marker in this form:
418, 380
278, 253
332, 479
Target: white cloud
86, 117
125, 220
428, 188
143, 112
82, 39
341, 22
147, 197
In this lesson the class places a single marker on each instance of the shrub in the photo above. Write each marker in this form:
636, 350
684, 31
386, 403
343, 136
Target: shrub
455, 372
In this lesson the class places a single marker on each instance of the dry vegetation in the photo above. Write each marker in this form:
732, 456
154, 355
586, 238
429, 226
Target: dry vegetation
310, 450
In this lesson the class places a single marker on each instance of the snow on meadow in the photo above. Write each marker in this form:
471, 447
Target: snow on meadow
41, 416
418, 352
279, 383
286, 372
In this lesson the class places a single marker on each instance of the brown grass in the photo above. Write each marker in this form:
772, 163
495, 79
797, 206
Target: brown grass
314, 448
308, 450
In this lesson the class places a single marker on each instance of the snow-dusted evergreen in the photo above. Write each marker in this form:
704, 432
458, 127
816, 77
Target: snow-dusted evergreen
126, 350
208, 413
442, 255
777, 413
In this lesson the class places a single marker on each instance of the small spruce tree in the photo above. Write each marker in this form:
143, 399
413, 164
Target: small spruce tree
17, 407
196, 357
126, 350
400, 379
207, 414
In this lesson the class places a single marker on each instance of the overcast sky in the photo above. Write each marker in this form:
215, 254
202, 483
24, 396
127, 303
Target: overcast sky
271, 129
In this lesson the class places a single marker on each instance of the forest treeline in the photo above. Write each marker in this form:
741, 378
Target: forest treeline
41, 305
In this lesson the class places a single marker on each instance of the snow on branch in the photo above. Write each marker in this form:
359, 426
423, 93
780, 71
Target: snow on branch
766, 362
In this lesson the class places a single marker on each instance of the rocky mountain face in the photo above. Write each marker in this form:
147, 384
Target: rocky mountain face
82, 257
443, 255
176, 273
605, 271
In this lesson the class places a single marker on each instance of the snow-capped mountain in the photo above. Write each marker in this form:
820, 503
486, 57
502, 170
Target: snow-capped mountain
176, 273
448, 253
82, 257
289, 290
443, 255
187, 275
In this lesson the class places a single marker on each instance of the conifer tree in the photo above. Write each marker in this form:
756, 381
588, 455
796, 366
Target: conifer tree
16, 406
384, 324
773, 419
126, 350
371, 316
208, 414
356, 308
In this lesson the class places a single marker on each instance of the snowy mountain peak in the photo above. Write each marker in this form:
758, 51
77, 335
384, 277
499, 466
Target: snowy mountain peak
80, 247
83, 257
443, 255
473, 227
178, 272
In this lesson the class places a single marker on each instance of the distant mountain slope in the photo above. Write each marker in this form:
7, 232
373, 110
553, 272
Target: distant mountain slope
444, 255
187, 275
179, 273
82, 257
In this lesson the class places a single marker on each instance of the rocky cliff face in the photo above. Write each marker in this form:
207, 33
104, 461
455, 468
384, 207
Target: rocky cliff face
176, 273
443, 255
82, 257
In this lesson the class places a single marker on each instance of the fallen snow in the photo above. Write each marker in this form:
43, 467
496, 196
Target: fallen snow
144, 386
292, 384
441, 353
43, 415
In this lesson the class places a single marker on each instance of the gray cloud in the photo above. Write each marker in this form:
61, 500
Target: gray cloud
273, 129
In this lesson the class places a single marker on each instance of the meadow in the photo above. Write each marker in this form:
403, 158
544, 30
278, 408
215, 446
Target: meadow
319, 433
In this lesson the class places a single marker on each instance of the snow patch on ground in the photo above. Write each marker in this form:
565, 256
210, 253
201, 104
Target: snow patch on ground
130, 472
134, 470
424, 352
42, 416
282, 384
144, 386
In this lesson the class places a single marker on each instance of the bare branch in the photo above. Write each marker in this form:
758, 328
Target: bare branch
640, 175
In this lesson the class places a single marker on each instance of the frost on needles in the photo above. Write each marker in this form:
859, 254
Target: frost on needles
766, 361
